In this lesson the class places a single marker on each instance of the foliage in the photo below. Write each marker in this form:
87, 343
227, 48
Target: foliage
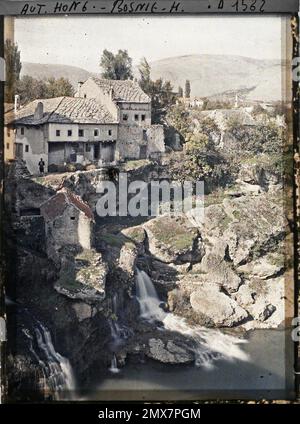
30, 88
116, 66
187, 91
179, 118
210, 104
160, 92
268, 138
13, 69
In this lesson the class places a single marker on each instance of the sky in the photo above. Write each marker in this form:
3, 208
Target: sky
79, 41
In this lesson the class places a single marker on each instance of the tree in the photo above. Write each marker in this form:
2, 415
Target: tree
59, 87
187, 89
30, 88
160, 92
180, 91
116, 66
13, 69
145, 75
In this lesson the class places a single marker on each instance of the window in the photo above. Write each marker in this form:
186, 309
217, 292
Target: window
96, 133
145, 135
136, 117
26, 148
87, 148
143, 117
22, 131
72, 218
109, 132
7, 146
57, 133
80, 133
69, 133
125, 117
84, 96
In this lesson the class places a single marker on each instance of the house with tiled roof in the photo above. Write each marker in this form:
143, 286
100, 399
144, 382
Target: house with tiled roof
68, 220
106, 122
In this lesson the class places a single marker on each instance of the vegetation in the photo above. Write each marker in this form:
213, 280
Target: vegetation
29, 88
160, 92
187, 91
13, 69
116, 66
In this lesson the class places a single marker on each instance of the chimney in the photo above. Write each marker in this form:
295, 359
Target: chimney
79, 85
17, 103
39, 111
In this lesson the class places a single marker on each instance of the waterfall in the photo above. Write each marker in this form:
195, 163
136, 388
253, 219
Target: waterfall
148, 299
114, 365
57, 370
209, 344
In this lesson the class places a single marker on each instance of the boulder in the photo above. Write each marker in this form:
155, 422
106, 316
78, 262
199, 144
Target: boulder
223, 311
172, 239
169, 352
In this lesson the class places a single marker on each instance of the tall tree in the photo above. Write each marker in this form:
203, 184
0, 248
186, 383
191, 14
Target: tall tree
116, 66
187, 89
180, 91
145, 75
13, 69
160, 92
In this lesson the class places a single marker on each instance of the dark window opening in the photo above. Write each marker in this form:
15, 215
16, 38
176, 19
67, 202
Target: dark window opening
27, 148
7, 146
145, 135
69, 133
30, 212
87, 148
81, 133
136, 117
125, 117
57, 133
72, 218
22, 131
84, 96
96, 133
143, 117
109, 132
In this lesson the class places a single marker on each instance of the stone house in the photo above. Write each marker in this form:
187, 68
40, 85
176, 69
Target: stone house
106, 122
68, 220
9, 133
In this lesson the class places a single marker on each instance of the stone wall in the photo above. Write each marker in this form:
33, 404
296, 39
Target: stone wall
36, 139
134, 139
71, 228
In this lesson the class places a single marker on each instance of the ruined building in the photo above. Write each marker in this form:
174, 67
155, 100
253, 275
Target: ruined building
106, 122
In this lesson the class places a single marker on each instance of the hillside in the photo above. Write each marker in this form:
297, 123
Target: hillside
41, 71
209, 74
214, 74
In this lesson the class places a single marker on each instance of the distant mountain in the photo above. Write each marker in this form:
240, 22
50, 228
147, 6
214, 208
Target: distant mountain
41, 71
209, 74
215, 74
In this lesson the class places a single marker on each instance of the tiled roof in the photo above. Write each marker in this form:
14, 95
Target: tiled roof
123, 91
56, 205
65, 110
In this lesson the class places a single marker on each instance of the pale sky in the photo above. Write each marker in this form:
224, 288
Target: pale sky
80, 41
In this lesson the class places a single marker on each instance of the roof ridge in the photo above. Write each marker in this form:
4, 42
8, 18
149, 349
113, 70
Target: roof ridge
57, 106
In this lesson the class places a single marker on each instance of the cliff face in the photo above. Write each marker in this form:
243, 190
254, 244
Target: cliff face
228, 271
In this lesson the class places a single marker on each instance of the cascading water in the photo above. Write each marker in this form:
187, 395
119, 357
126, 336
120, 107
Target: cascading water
114, 365
148, 299
210, 345
57, 370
